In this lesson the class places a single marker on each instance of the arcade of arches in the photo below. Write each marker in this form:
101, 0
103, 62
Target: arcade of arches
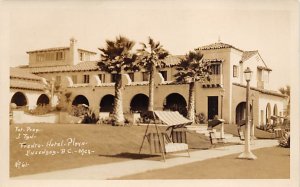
19, 99
266, 114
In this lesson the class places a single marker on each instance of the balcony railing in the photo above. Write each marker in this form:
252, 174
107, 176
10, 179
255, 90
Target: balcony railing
215, 81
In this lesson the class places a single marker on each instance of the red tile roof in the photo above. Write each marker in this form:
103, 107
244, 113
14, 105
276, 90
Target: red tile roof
217, 45
49, 49
57, 49
172, 60
23, 74
92, 66
26, 84
82, 66
175, 60
269, 92
23, 79
264, 68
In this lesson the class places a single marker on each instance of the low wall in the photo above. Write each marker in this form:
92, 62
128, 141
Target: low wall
19, 117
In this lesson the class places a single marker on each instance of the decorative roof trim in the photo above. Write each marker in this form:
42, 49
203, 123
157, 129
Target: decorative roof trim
269, 92
24, 78
25, 88
217, 45
49, 49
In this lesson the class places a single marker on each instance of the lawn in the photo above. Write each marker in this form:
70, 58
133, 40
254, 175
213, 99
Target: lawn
272, 163
232, 129
99, 144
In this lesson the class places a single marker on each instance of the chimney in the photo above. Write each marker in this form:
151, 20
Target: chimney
73, 51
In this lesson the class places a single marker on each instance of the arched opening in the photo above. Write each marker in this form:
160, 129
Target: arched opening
240, 112
43, 100
139, 103
268, 113
175, 102
107, 103
19, 99
275, 113
80, 99
275, 110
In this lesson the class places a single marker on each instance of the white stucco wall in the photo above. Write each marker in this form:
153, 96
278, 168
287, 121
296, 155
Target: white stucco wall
264, 100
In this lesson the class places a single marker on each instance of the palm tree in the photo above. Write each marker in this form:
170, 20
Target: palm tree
117, 58
151, 57
286, 91
192, 68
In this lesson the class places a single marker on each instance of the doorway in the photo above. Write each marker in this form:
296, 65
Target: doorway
212, 106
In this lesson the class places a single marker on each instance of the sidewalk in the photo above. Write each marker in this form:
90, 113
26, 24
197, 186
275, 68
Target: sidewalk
120, 169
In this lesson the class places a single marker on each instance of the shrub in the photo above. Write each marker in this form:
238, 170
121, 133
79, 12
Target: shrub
105, 121
90, 117
40, 110
200, 118
78, 110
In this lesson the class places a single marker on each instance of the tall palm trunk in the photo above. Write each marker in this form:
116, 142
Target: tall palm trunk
191, 105
118, 115
151, 89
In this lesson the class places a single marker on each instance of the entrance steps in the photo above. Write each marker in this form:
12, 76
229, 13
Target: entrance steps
202, 129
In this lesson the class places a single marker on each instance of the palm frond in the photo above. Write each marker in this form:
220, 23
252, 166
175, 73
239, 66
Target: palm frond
117, 55
192, 68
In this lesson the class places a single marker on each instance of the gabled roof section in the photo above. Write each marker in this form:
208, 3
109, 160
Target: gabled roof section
49, 49
248, 54
217, 45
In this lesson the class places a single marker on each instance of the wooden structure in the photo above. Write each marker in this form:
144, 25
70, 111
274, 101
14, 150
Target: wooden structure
173, 139
212, 135
240, 130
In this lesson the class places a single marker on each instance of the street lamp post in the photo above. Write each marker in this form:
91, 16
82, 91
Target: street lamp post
252, 117
222, 92
247, 154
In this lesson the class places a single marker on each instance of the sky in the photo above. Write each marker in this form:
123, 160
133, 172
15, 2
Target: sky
180, 26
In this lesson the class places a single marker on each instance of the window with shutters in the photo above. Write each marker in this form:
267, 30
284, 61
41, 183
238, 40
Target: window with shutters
86, 78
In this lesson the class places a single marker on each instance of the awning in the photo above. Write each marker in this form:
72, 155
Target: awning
215, 122
172, 118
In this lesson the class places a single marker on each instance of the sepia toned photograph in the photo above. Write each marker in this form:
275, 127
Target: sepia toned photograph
150, 92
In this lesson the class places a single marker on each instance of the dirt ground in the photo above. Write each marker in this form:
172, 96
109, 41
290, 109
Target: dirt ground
272, 163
